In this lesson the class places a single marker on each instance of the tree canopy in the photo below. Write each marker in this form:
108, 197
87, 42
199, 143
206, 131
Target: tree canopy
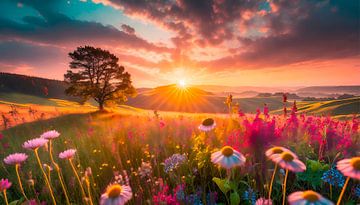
95, 73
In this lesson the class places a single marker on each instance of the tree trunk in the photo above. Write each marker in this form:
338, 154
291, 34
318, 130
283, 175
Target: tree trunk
101, 106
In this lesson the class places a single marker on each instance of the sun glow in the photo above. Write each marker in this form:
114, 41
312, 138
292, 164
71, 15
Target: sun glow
182, 83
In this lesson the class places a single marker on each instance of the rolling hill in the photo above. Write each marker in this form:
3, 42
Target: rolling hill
25, 90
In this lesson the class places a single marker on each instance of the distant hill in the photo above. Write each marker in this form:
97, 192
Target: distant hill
27, 89
193, 99
328, 91
35, 86
340, 107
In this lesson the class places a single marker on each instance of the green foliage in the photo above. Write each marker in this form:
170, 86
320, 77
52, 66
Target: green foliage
313, 173
234, 198
99, 76
223, 184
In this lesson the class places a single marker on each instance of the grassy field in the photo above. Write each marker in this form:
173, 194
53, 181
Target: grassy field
136, 148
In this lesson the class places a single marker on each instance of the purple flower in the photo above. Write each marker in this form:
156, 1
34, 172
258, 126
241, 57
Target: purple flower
52, 134
16, 158
4, 184
34, 143
67, 154
174, 161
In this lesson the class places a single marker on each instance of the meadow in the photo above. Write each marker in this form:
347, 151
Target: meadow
169, 158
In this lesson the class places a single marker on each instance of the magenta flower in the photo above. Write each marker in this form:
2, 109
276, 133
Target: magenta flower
34, 143
52, 134
4, 184
67, 154
16, 158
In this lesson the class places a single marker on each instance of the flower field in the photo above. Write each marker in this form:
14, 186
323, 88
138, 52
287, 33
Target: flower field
173, 158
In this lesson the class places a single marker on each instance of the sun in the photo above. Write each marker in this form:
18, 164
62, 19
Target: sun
182, 83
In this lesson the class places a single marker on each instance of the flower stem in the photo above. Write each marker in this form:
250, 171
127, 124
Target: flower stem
89, 191
45, 177
284, 187
272, 180
19, 180
330, 191
78, 179
343, 190
57, 168
5, 197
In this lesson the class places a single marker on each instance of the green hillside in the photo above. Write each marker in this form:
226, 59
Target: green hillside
338, 108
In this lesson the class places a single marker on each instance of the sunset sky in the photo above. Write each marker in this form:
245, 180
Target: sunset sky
218, 42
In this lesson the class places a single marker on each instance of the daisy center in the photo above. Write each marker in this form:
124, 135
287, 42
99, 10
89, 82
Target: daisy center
208, 122
311, 196
114, 191
277, 150
355, 162
286, 156
227, 151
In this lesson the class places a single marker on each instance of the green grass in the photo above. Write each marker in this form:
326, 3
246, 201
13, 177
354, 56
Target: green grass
25, 99
339, 108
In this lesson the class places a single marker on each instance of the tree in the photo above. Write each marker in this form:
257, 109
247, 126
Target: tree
95, 73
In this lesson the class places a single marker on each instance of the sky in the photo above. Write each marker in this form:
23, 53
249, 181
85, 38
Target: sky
218, 42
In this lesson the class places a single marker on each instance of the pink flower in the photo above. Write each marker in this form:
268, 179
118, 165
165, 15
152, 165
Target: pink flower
162, 124
308, 197
52, 134
288, 160
16, 158
228, 158
4, 184
67, 154
116, 194
34, 143
350, 167
263, 201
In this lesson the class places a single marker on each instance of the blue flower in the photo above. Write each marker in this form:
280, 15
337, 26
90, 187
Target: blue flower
333, 177
250, 195
173, 162
357, 191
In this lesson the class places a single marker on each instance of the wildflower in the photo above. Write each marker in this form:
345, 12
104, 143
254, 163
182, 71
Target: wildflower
207, 125
263, 201
163, 197
88, 172
116, 194
308, 197
357, 191
350, 167
289, 161
277, 150
67, 154
162, 124
34, 143
4, 184
174, 161
145, 169
333, 177
49, 135
16, 158
228, 158
250, 195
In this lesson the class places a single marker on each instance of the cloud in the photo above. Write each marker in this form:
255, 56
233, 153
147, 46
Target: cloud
269, 33
54, 28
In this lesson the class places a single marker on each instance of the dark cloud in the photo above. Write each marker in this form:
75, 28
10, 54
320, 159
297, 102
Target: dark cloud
128, 29
317, 31
204, 22
52, 27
